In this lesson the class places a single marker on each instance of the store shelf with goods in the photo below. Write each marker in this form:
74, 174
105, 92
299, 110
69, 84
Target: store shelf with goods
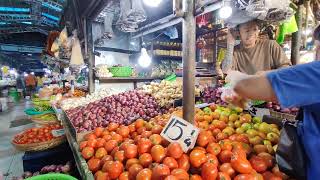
81, 163
163, 57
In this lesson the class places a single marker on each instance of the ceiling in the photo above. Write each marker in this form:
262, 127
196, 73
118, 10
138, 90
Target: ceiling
20, 16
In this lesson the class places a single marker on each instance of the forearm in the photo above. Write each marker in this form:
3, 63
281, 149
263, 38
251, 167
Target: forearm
227, 63
256, 88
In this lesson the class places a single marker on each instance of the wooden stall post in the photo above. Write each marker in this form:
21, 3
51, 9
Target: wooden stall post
91, 60
189, 55
296, 38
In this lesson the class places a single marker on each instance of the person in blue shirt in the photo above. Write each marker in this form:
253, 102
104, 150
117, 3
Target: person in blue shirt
296, 86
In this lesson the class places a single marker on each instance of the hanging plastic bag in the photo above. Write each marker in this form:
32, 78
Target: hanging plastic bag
287, 28
290, 154
63, 37
76, 55
108, 19
137, 13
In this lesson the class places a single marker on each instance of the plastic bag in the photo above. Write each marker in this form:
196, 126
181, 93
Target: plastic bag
76, 54
108, 32
290, 154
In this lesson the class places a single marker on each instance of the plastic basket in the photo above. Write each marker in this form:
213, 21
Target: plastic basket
124, 71
33, 111
52, 176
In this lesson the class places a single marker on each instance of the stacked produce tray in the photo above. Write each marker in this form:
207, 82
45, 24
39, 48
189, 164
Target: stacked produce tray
71, 135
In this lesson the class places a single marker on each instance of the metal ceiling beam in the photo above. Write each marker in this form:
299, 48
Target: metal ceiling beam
173, 20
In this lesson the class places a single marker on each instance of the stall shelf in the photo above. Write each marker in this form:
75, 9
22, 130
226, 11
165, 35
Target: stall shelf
133, 80
82, 166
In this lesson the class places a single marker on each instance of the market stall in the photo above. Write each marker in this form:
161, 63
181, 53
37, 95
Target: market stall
132, 104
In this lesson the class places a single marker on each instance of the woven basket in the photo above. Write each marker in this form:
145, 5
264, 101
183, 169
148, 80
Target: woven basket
124, 71
282, 116
44, 122
40, 146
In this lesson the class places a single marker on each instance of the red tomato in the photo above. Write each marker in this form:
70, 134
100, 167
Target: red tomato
110, 145
175, 150
212, 159
144, 146
124, 176
94, 164
170, 162
240, 163
145, 160
209, 171
183, 162
223, 176
119, 156
160, 172
197, 158
203, 138
258, 164
225, 156
100, 153
244, 177
83, 144
226, 168
158, 153
134, 170
213, 148
180, 174
87, 152
131, 151
144, 174
130, 162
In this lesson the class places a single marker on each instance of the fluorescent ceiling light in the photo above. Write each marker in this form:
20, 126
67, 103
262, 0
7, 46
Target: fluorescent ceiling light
26, 22
225, 12
50, 16
14, 9
48, 5
152, 3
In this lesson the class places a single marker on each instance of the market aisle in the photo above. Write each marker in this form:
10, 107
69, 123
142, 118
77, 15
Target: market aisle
10, 158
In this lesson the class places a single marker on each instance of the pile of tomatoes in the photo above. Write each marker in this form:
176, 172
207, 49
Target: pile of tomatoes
139, 152
36, 135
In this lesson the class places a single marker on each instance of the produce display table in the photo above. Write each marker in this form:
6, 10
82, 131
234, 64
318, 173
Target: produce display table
82, 166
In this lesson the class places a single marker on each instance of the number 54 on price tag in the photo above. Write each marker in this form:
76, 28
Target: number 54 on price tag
180, 131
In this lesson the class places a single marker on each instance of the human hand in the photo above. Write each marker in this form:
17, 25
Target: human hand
234, 77
230, 96
259, 73
230, 37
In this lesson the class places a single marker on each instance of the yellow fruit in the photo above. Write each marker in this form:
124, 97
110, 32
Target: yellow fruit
233, 117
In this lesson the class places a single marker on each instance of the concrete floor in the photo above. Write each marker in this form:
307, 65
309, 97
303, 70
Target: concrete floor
10, 158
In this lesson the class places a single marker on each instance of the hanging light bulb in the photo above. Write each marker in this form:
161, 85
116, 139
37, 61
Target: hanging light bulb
225, 11
152, 3
144, 60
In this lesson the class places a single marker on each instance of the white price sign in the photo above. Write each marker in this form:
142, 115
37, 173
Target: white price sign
258, 112
58, 132
180, 131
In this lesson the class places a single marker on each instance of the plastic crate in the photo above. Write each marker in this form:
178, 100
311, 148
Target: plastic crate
124, 71
52, 176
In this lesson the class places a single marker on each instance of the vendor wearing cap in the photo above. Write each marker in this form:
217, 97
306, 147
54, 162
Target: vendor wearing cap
253, 55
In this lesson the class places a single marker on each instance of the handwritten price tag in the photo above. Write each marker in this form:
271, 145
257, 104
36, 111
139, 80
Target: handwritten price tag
258, 112
180, 131
58, 132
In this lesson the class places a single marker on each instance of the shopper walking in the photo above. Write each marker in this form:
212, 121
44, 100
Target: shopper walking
30, 84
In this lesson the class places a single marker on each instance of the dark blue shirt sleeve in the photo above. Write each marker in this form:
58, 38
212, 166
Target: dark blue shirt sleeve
297, 86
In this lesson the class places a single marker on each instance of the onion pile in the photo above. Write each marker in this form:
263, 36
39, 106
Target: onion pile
278, 108
123, 108
212, 95
77, 102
